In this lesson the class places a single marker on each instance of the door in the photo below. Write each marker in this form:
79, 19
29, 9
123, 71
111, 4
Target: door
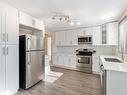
12, 70
35, 67
11, 25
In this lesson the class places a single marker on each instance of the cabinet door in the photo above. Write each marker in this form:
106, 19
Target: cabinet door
25, 19
12, 26
56, 59
38, 24
112, 34
2, 68
97, 35
12, 67
63, 38
74, 37
88, 31
72, 61
68, 39
104, 34
80, 32
69, 61
58, 38
2, 22
95, 66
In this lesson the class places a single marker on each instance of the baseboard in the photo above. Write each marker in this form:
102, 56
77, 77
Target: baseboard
95, 72
70, 68
64, 67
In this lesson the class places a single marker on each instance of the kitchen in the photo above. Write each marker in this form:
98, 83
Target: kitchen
63, 48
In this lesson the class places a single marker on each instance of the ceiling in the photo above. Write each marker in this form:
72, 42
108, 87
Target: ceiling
88, 12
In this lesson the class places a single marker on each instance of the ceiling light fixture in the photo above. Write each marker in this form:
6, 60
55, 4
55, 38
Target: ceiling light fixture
78, 23
65, 18
61, 17
72, 23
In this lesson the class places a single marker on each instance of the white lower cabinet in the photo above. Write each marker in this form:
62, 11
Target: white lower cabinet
58, 60
95, 64
9, 69
12, 67
64, 60
71, 61
2, 68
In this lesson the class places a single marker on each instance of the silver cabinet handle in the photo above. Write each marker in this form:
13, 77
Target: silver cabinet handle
7, 51
7, 37
3, 37
3, 50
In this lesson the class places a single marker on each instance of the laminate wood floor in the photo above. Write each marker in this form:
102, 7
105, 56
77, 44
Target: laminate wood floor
71, 83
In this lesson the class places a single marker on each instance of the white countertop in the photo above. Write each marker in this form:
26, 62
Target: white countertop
114, 66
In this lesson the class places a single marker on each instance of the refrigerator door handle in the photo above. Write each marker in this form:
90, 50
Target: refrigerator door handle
30, 59
28, 43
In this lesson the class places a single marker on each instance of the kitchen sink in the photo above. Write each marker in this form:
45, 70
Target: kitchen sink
113, 60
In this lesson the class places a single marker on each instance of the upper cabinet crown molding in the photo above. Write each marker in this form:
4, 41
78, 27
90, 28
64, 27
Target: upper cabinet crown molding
29, 21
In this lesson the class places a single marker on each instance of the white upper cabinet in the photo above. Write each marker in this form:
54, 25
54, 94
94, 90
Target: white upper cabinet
9, 25
25, 19
106, 34
74, 36
66, 38
89, 31
12, 25
29, 21
80, 32
112, 33
71, 38
60, 38
57, 38
97, 35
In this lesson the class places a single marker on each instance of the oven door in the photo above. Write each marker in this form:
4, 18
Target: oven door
84, 61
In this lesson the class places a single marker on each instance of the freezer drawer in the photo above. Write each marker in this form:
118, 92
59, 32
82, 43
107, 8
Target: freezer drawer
34, 68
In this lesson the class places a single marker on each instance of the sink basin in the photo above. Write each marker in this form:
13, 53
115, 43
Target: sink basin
113, 60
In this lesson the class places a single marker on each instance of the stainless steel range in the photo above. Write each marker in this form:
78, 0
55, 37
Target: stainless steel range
84, 60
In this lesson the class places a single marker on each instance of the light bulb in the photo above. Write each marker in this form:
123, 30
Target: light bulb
71, 23
78, 23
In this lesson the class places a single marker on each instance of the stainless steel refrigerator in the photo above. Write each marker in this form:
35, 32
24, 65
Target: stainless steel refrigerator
31, 57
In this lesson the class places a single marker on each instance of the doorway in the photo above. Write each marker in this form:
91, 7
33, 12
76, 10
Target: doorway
47, 52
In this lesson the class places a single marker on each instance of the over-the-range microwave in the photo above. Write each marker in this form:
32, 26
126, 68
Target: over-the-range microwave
85, 39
